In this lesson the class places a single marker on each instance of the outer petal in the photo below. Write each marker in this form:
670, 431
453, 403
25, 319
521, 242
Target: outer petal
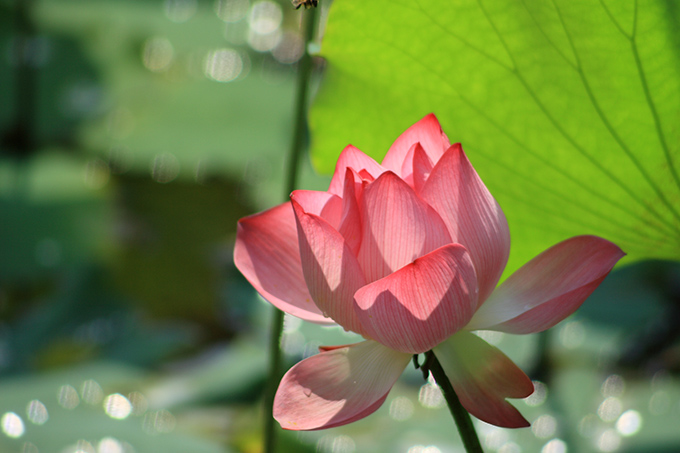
428, 132
472, 215
330, 269
421, 304
268, 255
483, 377
352, 157
549, 287
338, 386
398, 227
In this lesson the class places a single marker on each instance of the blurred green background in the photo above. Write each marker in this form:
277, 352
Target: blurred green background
133, 136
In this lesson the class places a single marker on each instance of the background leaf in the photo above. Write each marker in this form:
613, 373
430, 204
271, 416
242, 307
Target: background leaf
569, 110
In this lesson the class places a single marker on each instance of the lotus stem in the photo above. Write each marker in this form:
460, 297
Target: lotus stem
460, 415
296, 149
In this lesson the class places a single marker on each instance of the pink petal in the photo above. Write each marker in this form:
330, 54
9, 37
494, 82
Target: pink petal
324, 204
483, 377
423, 303
416, 167
350, 225
398, 227
549, 287
268, 255
353, 158
330, 269
471, 214
422, 167
338, 386
428, 132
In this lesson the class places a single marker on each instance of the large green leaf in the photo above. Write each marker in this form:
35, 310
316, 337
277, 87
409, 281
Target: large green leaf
569, 109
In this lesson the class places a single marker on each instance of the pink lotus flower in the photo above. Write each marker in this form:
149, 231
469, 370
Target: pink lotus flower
408, 254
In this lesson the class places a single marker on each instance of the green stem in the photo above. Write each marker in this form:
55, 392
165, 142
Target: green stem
460, 415
297, 146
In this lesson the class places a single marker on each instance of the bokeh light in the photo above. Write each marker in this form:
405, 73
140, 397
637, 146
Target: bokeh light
424, 449
555, 446
572, 334
610, 409
587, 426
68, 397
37, 412
157, 54
609, 440
91, 392
431, 396
659, 403
97, 173
494, 438
614, 386
544, 426
231, 10
223, 65
265, 17
12, 425
629, 423
117, 406
289, 48
510, 447
164, 168
336, 444
139, 403
180, 10
539, 396
29, 447
161, 421
401, 408
110, 445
